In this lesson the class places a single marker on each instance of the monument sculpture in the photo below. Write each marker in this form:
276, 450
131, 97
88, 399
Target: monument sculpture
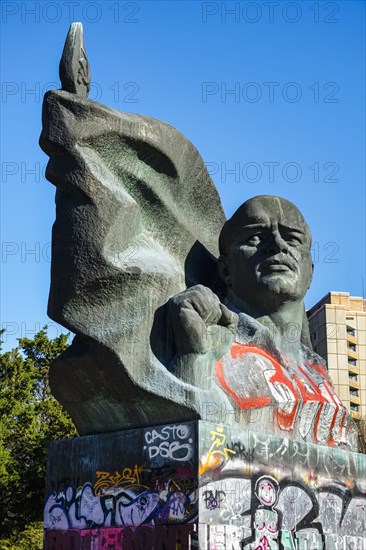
191, 334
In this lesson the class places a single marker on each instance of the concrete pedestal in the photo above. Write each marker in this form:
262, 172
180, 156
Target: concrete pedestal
202, 485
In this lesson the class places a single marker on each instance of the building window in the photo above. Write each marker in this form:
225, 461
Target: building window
355, 408
352, 362
314, 335
353, 376
353, 392
351, 331
352, 347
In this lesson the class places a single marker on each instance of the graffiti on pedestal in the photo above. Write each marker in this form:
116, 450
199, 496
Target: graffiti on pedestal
266, 518
164, 486
144, 537
172, 500
173, 442
158, 489
217, 453
272, 493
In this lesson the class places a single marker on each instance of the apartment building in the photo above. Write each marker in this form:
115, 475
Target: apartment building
338, 334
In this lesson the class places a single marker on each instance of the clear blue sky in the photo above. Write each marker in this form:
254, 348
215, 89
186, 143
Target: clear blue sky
294, 124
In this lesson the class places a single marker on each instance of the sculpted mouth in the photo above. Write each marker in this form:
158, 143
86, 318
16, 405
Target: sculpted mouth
275, 266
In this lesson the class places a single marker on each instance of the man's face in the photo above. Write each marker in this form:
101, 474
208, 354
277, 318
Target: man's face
269, 260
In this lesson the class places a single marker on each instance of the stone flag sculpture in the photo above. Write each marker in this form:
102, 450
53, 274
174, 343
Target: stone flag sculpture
137, 220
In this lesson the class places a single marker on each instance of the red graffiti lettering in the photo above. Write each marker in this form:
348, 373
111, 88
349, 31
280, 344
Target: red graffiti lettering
289, 393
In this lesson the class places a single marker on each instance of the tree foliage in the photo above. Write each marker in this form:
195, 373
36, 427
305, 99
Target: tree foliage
29, 418
30, 538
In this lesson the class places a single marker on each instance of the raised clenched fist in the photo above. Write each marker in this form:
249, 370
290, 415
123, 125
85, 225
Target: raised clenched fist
203, 330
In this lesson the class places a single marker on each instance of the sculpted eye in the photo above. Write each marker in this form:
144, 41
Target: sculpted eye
254, 240
294, 239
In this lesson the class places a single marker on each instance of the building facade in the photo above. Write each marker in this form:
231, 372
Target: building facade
338, 334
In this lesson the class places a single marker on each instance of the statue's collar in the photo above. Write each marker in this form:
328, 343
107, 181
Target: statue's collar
251, 331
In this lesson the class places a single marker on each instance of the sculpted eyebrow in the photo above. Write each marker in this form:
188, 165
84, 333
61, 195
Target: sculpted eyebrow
250, 227
292, 229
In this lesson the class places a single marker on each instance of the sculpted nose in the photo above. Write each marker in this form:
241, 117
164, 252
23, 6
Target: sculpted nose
277, 244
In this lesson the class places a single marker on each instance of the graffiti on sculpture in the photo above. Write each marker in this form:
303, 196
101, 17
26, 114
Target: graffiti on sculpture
275, 493
299, 394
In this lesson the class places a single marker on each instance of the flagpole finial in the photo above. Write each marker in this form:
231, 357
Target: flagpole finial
74, 66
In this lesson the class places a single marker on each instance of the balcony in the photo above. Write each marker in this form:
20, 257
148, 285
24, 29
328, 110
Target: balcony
354, 384
356, 415
353, 369
352, 354
354, 399
351, 339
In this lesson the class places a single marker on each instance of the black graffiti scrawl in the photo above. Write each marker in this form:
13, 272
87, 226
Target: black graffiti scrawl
276, 493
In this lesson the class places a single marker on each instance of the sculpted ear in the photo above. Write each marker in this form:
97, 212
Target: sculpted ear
223, 271
312, 274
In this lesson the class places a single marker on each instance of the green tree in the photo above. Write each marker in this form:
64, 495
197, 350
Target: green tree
30, 538
29, 418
